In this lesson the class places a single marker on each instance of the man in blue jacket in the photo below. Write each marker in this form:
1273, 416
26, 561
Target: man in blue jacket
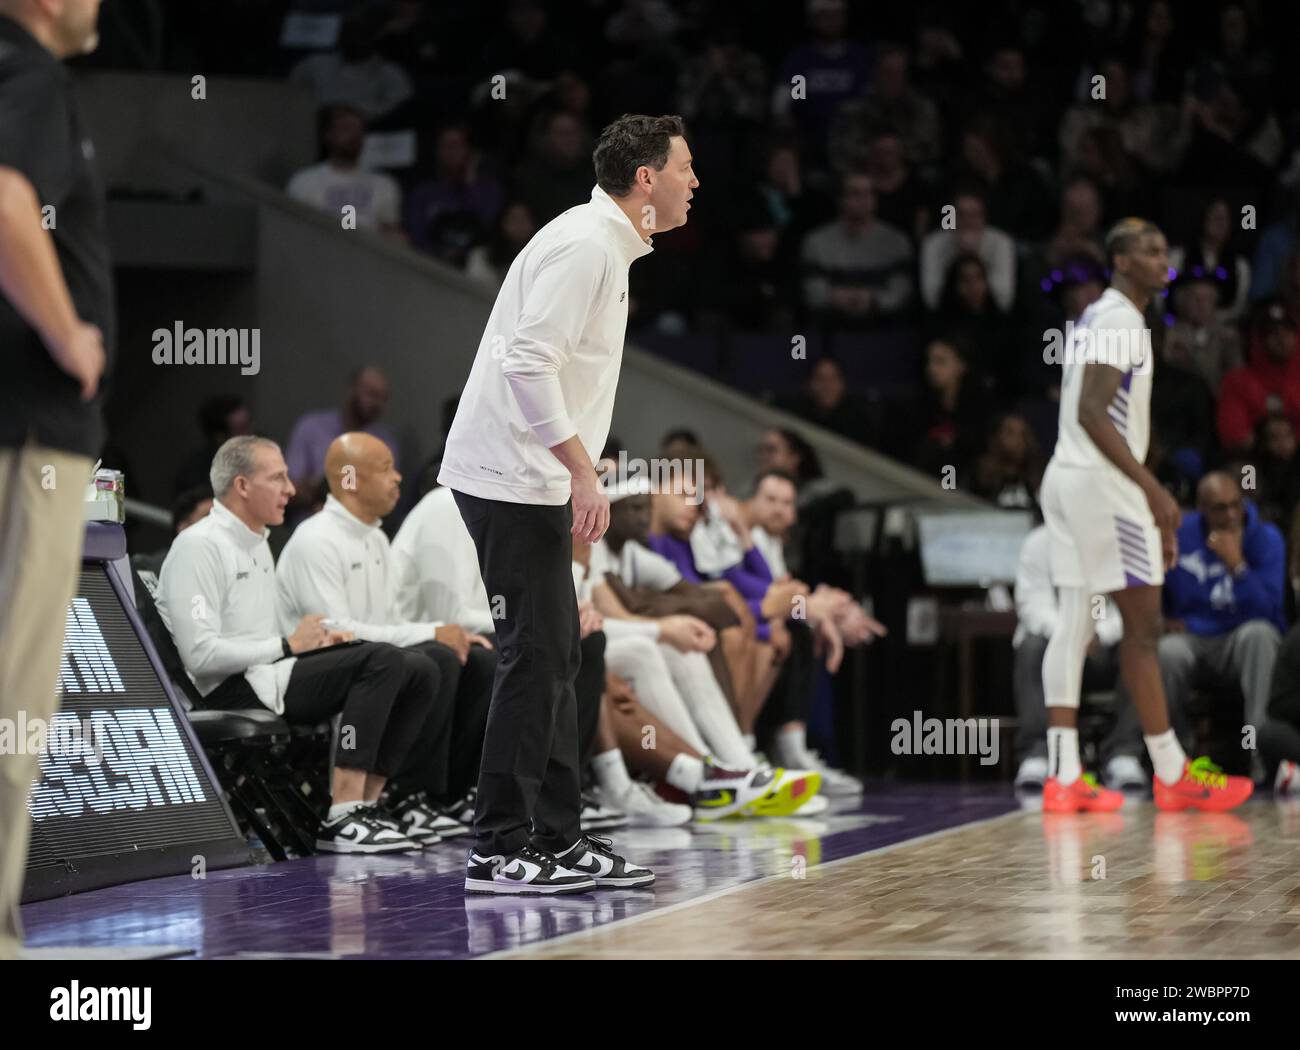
1223, 601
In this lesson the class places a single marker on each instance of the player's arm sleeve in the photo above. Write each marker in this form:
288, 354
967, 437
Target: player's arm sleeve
554, 314
194, 586
1259, 587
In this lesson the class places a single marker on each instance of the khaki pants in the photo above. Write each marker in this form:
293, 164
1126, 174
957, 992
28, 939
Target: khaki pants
41, 529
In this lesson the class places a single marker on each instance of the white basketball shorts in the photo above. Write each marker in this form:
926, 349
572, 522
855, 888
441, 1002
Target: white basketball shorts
1102, 535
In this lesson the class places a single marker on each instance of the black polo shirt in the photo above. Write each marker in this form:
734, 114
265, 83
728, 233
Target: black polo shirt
42, 136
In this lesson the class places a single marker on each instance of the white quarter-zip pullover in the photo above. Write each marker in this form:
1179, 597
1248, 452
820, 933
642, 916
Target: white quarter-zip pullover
547, 366
338, 565
216, 594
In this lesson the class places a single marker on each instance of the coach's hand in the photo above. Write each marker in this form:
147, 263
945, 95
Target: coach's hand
455, 638
310, 634
590, 508
81, 355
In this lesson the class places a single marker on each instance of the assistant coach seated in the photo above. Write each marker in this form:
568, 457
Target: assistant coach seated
1223, 601
216, 595
339, 562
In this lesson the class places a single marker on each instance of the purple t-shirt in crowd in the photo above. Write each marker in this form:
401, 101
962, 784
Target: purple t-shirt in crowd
311, 439
430, 201
833, 74
751, 576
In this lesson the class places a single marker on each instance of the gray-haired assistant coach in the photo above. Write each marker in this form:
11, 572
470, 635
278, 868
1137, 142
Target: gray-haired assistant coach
533, 417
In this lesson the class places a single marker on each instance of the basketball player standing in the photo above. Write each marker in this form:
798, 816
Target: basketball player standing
1112, 529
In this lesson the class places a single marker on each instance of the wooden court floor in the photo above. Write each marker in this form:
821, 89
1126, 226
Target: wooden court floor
1134, 884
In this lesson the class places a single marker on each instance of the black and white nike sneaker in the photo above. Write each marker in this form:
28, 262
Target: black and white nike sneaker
416, 816
529, 872
363, 829
462, 810
597, 817
594, 856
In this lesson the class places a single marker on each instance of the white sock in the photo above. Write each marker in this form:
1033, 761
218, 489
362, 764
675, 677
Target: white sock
686, 773
611, 772
1167, 756
1063, 755
751, 741
338, 809
792, 746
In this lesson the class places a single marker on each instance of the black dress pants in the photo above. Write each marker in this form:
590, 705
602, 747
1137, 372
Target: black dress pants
385, 695
444, 760
529, 778
589, 687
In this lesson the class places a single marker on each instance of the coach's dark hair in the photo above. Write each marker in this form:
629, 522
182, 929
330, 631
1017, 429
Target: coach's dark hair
630, 142
1123, 237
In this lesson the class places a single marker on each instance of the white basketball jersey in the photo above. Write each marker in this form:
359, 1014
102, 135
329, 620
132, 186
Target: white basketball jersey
1112, 331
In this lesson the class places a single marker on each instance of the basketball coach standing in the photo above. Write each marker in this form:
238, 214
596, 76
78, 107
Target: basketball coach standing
56, 317
533, 418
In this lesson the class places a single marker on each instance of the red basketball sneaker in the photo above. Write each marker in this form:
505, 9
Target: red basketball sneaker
1203, 786
1085, 795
